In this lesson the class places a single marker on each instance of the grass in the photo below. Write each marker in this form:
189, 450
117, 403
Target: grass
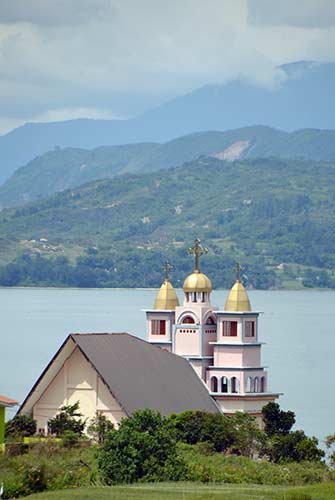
194, 491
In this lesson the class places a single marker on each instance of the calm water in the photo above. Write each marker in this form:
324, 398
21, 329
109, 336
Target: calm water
298, 328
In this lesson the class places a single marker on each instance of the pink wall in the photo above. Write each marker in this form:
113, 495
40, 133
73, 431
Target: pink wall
237, 356
187, 341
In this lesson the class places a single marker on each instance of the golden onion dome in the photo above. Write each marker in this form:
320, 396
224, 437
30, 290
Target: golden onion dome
237, 300
166, 297
197, 282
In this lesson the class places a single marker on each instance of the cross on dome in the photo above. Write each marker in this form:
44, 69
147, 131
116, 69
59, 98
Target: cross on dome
167, 268
198, 250
238, 269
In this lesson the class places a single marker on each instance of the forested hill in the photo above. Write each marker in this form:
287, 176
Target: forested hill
67, 168
274, 216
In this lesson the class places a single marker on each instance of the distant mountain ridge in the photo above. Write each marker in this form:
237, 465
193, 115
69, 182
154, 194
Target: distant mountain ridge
273, 215
303, 100
68, 168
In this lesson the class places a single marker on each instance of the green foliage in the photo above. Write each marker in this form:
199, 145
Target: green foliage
238, 433
99, 428
47, 466
272, 215
330, 440
277, 421
67, 421
294, 447
20, 426
142, 449
222, 468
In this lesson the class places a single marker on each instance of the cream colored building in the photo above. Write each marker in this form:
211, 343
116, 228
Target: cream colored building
114, 375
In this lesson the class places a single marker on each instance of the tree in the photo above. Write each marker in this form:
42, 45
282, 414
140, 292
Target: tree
330, 440
294, 447
248, 438
195, 426
99, 428
20, 426
143, 448
277, 421
69, 419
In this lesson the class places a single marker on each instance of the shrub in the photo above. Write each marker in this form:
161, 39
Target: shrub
69, 419
294, 447
142, 449
20, 426
99, 427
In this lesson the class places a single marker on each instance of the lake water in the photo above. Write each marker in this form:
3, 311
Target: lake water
297, 327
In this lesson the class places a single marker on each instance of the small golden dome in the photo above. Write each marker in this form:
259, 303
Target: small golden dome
197, 282
238, 300
166, 297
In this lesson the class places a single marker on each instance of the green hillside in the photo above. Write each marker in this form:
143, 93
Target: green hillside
62, 169
274, 216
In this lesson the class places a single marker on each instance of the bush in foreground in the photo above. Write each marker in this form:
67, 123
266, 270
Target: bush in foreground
144, 448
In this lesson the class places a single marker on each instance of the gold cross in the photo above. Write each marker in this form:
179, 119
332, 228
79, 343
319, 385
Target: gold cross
197, 250
167, 267
238, 269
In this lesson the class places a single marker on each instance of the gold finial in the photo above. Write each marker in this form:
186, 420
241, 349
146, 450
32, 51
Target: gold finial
167, 268
238, 269
197, 250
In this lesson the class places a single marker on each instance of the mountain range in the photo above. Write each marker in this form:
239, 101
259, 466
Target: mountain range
66, 168
302, 98
273, 215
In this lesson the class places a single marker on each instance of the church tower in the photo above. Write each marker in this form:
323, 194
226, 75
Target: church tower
161, 319
222, 345
237, 380
195, 327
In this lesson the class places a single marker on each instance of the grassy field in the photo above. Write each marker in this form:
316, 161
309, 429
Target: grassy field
194, 491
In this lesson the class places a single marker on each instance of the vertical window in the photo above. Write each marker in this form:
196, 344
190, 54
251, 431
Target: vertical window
263, 385
214, 384
194, 296
224, 384
230, 328
158, 327
249, 384
234, 385
249, 328
256, 384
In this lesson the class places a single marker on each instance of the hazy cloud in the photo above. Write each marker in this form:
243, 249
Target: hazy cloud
119, 57
298, 13
53, 12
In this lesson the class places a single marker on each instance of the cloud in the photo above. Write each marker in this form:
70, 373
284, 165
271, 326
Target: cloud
297, 13
121, 57
53, 12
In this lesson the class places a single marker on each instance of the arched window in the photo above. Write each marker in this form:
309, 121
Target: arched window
194, 296
249, 384
203, 296
263, 384
210, 321
214, 384
188, 320
224, 384
256, 384
234, 385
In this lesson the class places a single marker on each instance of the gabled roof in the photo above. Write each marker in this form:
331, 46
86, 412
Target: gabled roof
139, 375
4, 401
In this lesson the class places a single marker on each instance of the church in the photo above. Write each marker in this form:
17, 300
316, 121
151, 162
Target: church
197, 356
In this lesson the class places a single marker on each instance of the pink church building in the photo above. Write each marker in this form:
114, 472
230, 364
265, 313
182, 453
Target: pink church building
222, 345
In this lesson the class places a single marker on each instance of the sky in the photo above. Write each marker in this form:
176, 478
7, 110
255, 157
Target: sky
64, 59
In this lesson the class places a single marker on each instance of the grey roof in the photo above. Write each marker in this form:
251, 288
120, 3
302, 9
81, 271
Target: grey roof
141, 375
